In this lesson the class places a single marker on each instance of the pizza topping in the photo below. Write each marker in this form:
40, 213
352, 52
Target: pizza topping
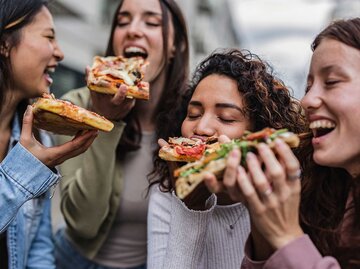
194, 151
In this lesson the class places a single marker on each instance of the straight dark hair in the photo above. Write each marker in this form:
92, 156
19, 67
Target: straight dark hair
14, 15
177, 70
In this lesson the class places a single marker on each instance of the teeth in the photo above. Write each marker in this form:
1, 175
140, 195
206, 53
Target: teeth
135, 50
50, 69
322, 124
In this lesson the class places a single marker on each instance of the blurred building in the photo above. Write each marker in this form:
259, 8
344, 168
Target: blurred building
83, 28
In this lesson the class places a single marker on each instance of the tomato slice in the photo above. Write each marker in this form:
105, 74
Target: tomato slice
260, 135
194, 151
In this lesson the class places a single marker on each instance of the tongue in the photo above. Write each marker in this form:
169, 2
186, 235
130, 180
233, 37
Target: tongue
48, 79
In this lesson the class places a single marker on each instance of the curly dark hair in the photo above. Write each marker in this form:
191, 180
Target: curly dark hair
267, 101
325, 190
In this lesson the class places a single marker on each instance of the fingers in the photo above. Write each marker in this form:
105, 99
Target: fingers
290, 161
224, 139
79, 144
259, 179
120, 95
212, 183
27, 124
162, 142
274, 170
230, 175
248, 191
81, 149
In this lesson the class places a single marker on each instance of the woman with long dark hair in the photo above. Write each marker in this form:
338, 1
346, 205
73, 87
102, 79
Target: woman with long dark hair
29, 53
103, 192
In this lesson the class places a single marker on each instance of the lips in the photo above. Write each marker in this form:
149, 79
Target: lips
322, 127
135, 51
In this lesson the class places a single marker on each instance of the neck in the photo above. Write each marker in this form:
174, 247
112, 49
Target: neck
146, 108
7, 113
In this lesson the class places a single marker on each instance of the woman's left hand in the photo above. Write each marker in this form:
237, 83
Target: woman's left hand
272, 194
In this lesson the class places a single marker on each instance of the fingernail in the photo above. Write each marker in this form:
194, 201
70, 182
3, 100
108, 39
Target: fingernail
234, 153
27, 111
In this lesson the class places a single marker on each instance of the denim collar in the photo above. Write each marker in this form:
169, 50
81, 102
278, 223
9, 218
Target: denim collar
15, 132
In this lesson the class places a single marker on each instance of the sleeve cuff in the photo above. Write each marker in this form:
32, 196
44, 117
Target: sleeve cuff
286, 257
27, 172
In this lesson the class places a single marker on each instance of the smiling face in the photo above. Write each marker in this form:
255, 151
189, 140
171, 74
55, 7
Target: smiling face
35, 56
332, 104
215, 109
139, 33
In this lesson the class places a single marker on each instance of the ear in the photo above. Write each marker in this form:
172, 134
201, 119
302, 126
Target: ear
4, 49
172, 52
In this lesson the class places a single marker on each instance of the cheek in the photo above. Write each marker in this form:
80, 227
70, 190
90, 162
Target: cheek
186, 128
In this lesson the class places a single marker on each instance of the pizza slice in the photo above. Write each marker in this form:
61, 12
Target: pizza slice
191, 175
181, 149
63, 117
108, 73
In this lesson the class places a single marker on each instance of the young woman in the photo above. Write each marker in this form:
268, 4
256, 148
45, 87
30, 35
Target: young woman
326, 232
230, 92
103, 192
28, 54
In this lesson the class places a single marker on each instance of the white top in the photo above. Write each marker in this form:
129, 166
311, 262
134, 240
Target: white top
180, 238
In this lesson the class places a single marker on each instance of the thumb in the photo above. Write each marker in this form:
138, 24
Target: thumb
27, 122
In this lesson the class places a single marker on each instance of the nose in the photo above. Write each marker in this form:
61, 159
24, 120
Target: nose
59, 55
205, 127
135, 29
312, 99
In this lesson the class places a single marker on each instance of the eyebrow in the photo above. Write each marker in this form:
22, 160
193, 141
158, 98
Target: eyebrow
146, 13
218, 105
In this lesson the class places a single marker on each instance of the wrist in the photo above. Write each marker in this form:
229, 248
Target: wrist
285, 240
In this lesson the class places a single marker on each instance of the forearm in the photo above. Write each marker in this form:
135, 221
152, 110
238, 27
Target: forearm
22, 177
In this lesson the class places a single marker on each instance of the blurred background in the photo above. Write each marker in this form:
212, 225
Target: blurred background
279, 31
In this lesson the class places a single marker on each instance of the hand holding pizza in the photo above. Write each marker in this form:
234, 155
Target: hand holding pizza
271, 190
113, 107
53, 156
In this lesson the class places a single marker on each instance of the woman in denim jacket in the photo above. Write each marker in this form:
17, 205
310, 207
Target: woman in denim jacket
28, 52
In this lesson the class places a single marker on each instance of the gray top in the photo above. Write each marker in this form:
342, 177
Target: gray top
126, 244
180, 238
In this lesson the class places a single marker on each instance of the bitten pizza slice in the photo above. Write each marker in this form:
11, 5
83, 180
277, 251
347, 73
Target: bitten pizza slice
63, 117
181, 149
108, 73
189, 176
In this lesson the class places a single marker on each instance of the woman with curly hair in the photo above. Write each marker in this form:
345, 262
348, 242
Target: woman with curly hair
231, 91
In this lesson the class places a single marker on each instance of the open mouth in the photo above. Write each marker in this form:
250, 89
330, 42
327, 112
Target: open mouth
322, 127
48, 71
135, 52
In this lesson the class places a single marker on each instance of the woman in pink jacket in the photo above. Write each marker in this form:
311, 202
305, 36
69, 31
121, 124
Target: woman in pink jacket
314, 222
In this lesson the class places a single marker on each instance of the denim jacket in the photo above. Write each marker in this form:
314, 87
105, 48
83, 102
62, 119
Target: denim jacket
25, 205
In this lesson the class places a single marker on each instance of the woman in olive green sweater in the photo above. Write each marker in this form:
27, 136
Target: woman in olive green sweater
103, 192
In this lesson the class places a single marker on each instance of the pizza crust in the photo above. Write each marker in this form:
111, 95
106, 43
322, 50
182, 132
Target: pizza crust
63, 117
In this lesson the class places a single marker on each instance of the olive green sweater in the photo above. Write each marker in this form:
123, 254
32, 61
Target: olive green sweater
91, 186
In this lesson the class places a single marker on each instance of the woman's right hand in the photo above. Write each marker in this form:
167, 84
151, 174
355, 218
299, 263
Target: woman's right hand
113, 107
53, 156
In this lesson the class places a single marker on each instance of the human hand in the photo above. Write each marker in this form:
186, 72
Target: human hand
228, 184
53, 156
273, 196
113, 107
